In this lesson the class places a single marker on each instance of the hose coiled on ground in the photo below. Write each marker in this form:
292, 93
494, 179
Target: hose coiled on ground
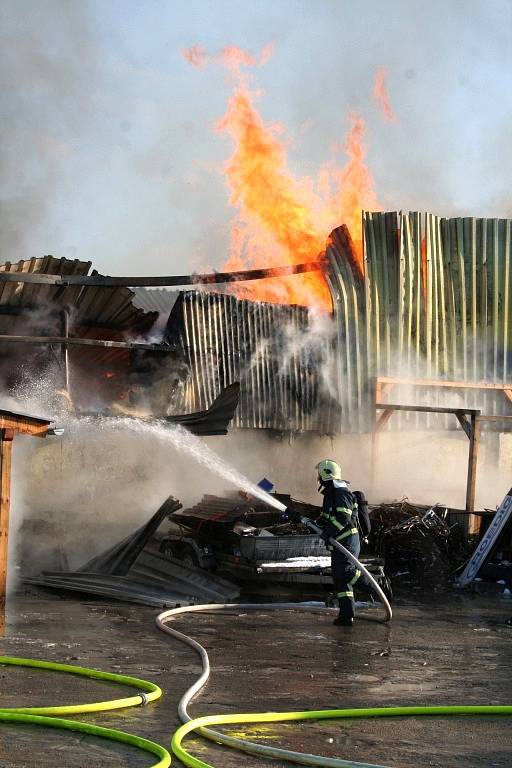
46, 716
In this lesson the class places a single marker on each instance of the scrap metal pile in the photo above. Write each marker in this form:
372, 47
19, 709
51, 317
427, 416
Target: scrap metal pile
417, 542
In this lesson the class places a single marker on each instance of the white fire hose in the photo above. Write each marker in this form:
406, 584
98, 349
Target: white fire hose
250, 747
353, 559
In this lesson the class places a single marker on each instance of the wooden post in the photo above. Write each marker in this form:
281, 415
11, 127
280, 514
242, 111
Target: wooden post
472, 464
6, 436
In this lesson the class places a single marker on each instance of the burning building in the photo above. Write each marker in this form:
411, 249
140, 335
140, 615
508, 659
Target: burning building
431, 302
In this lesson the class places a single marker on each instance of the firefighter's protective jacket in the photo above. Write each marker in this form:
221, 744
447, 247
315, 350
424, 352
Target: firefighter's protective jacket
339, 511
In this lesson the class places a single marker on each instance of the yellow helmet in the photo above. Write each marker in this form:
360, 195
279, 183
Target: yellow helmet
328, 470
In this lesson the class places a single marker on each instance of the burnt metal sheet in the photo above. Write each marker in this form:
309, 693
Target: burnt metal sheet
159, 300
266, 348
112, 307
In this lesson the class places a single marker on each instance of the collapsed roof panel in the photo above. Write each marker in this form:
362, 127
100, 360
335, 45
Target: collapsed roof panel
268, 348
91, 306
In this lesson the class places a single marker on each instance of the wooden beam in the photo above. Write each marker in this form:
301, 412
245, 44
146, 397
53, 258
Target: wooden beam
427, 409
471, 428
36, 430
449, 384
484, 417
472, 465
508, 394
211, 278
6, 436
465, 424
70, 341
383, 419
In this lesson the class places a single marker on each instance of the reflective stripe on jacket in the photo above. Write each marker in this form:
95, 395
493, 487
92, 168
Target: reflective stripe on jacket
339, 510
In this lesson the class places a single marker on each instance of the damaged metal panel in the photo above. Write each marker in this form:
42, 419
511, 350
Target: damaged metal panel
91, 306
434, 303
266, 348
348, 289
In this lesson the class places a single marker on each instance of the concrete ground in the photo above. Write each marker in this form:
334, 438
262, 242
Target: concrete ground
440, 649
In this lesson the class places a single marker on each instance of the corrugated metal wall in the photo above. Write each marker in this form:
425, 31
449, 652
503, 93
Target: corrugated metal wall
435, 302
263, 346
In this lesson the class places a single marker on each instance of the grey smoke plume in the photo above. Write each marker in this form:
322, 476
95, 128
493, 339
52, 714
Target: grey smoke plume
47, 75
107, 133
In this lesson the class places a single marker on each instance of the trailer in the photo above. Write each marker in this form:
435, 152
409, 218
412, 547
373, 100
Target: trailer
256, 546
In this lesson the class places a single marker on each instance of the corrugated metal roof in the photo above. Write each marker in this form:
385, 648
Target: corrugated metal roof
159, 300
91, 306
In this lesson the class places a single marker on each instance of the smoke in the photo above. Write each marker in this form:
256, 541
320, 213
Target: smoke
107, 144
47, 70
76, 495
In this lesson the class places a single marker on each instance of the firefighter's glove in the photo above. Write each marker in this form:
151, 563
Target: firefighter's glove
326, 533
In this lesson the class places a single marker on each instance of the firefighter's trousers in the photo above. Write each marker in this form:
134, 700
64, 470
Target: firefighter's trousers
345, 575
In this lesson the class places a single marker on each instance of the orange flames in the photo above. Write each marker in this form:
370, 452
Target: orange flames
381, 94
280, 219
270, 202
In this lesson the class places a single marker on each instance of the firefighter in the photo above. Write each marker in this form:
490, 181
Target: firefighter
340, 520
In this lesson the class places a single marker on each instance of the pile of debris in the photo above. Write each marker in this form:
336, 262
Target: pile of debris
416, 541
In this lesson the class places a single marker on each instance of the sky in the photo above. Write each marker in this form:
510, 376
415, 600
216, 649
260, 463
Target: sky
109, 151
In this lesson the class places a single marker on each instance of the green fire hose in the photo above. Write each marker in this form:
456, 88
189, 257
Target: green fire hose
38, 716
164, 758
201, 724
151, 692
49, 716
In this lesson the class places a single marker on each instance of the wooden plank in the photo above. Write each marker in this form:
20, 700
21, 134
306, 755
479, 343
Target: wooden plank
427, 409
472, 465
71, 341
6, 437
465, 424
384, 417
442, 383
211, 278
36, 430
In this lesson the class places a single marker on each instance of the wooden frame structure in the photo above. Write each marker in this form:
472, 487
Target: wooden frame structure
471, 427
10, 424
469, 419
384, 385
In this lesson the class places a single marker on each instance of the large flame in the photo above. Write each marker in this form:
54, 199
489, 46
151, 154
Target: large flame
276, 222
280, 219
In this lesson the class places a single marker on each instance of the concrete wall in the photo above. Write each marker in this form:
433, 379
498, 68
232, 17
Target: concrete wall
94, 485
